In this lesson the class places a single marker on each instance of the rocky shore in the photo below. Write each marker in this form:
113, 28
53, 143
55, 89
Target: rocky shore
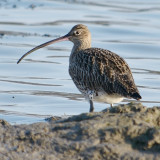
126, 132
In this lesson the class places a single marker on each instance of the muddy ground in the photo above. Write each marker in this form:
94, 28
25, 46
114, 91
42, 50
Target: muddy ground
127, 132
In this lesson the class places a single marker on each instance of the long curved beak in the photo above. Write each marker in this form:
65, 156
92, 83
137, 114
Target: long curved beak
63, 38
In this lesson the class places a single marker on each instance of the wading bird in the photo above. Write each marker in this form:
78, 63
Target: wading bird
99, 74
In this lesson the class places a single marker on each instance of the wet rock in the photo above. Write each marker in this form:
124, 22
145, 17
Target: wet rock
51, 119
3, 123
127, 132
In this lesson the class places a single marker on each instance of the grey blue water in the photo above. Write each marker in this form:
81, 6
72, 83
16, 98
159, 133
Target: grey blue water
40, 85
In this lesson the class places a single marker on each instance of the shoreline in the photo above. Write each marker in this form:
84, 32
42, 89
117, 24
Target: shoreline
129, 131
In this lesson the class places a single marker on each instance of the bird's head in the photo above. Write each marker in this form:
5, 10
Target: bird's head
79, 35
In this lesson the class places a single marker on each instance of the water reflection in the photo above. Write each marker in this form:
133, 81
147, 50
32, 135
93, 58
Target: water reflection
41, 86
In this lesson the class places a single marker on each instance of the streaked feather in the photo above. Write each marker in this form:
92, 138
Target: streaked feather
102, 70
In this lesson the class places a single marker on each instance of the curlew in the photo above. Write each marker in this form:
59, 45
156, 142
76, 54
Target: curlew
99, 74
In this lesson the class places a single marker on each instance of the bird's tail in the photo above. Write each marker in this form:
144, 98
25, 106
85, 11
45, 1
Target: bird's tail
136, 96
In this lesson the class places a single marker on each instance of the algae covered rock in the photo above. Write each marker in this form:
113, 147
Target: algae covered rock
130, 132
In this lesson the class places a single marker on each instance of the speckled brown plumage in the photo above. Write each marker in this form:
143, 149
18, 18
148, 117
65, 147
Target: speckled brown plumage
102, 70
99, 74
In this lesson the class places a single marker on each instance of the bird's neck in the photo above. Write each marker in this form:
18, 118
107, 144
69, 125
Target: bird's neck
80, 45
77, 48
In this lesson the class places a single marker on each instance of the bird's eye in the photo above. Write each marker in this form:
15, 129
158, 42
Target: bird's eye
77, 33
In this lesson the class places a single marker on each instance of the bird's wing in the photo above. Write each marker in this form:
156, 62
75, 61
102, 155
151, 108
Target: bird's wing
99, 69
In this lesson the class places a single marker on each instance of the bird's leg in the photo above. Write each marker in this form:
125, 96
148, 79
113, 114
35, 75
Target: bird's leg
91, 106
90, 96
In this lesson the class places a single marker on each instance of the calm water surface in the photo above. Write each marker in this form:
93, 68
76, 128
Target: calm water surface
40, 85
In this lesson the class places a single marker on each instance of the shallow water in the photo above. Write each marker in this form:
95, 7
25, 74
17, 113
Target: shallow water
40, 85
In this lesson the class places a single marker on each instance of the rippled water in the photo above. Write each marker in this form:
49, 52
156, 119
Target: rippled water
40, 85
